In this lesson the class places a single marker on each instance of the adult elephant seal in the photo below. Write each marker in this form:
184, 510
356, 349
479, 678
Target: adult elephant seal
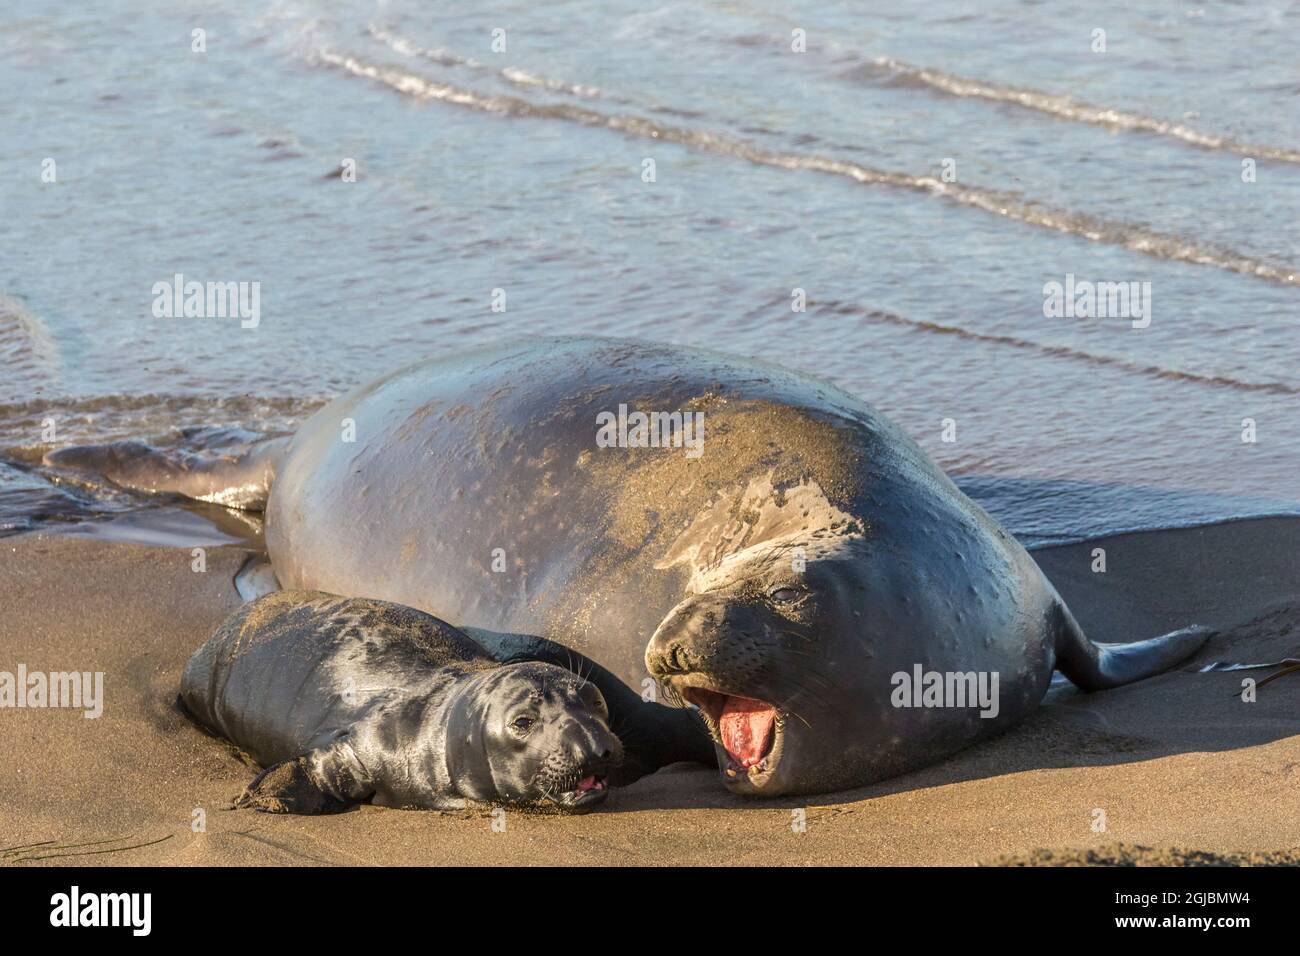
346, 700
785, 564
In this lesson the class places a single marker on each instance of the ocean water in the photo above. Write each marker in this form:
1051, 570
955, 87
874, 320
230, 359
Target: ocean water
523, 169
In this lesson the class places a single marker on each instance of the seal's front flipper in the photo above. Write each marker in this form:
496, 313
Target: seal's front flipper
256, 578
1102, 666
287, 787
235, 473
326, 780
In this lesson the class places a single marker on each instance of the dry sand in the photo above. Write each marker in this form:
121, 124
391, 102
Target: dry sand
1184, 771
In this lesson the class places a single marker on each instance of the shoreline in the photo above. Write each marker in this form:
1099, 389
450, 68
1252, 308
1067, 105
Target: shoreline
1182, 770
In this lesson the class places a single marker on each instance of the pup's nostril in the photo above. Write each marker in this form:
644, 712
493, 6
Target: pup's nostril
677, 658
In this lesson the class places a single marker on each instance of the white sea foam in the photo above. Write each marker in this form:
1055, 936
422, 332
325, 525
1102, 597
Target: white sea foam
996, 202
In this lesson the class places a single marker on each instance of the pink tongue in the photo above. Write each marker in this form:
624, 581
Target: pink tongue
746, 728
588, 783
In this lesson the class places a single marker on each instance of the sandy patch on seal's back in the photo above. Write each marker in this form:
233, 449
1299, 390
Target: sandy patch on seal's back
744, 522
652, 497
655, 493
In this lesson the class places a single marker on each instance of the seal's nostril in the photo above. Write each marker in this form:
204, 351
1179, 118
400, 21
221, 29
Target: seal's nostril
677, 658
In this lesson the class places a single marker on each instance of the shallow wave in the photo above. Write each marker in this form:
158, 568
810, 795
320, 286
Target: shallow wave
33, 497
516, 76
996, 202
27, 348
1067, 108
105, 418
1058, 351
1042, 512
408, 47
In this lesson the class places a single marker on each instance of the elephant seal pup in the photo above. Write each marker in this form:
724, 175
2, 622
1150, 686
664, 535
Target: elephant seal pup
345, 700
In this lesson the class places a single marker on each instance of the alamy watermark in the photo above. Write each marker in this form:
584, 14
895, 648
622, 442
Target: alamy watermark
651, 430
958, 689
75, 690
1083, 299
75, 908
208, 300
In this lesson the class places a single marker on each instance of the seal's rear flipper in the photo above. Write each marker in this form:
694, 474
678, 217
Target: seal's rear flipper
236, 475
1101, 666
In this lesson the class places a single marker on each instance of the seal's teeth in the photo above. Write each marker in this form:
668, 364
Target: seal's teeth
731, 772
755, 770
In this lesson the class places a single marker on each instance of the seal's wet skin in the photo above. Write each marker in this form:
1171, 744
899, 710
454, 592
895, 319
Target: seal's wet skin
345, 700
778, 571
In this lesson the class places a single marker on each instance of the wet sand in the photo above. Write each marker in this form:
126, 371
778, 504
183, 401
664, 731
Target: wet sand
1182, 769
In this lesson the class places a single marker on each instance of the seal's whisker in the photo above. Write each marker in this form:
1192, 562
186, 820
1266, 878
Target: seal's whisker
786, 707
812, 671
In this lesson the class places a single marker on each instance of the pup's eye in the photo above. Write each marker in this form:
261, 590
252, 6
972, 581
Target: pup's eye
785, 595
522, 724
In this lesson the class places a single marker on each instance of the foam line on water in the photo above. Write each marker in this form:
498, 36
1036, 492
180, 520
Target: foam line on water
1006, 205
1071, 110
407, 47
1053, 350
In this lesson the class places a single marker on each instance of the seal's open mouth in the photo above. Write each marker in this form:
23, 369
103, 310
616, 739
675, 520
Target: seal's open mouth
589, 784
585, 793
748, 731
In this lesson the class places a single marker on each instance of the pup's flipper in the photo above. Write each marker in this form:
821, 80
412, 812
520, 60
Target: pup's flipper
325, 780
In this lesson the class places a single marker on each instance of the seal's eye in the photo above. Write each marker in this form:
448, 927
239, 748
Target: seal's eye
784, 595
593, 699
521, 725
